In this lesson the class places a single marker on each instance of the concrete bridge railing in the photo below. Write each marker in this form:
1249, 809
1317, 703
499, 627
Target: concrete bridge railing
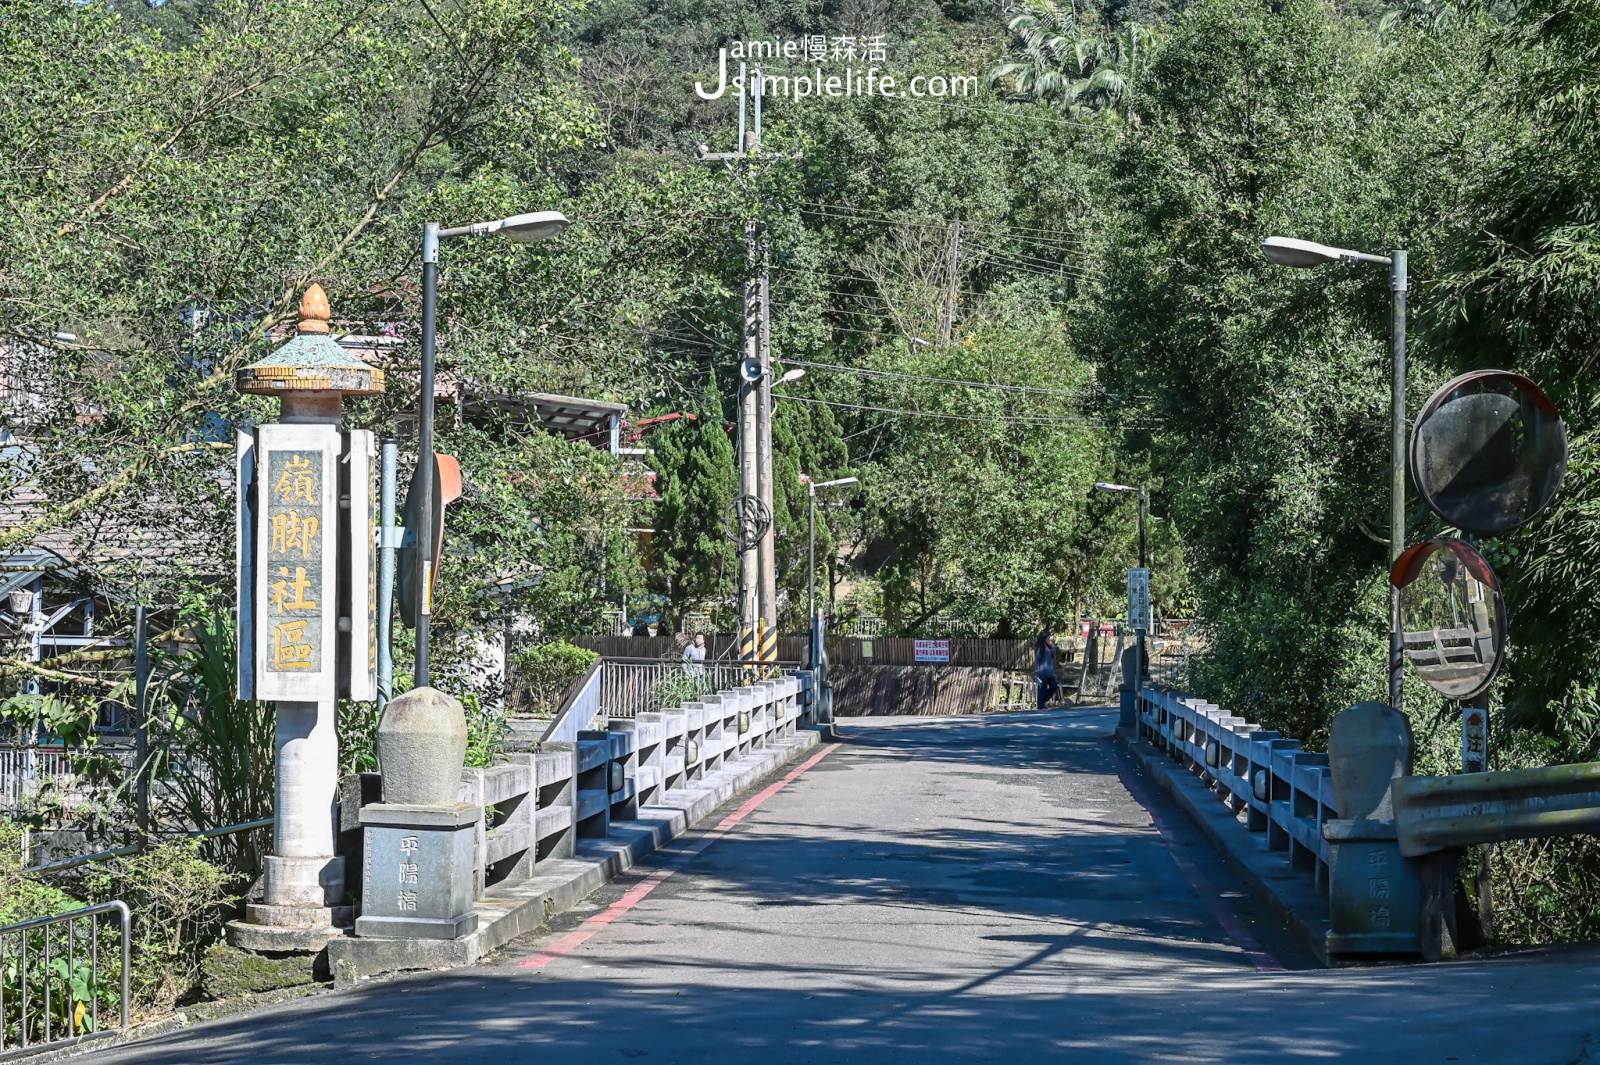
1282, 789
556, 822
537, 804
1387, 880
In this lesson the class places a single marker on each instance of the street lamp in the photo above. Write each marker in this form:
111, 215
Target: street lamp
524, 229
811, 549
1128, 489
1106, 486
791, 375
1305, 254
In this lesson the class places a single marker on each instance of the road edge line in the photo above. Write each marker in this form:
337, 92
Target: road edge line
592, 925
1232, 927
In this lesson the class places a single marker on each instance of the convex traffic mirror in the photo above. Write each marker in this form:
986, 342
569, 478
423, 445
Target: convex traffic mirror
1488, 452
1452, 617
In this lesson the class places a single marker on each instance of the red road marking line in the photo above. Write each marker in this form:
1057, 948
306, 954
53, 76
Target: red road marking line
636, 894
1232, 927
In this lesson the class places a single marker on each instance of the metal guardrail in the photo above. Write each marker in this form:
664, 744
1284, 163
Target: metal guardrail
1281, 789
625, 687
24, 768
629, 687
69, 984
135, 848
1438, 813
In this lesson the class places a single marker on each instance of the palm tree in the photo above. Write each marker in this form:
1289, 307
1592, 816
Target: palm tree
1047, 60
1124, 57
1058, 60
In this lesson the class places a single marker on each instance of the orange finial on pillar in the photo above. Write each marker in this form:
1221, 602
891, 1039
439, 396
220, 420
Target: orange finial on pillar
314, 311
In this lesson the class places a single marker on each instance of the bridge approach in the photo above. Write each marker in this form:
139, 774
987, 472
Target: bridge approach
998, 888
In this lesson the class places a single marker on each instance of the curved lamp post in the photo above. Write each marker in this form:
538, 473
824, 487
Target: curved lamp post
1306, 254
811, 538
524, 229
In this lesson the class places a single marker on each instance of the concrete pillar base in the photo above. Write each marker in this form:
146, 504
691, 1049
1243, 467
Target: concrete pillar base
309, 917
304, 907
316, 881
266, 939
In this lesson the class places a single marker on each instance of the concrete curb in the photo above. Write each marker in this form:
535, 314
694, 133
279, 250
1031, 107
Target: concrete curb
508, 911
1291, 892
198, 1013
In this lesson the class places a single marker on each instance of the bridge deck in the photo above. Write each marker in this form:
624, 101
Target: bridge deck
931, 890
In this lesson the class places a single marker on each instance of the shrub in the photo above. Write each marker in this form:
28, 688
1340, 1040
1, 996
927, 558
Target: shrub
546, 670
23, 898
486, 733
179, 902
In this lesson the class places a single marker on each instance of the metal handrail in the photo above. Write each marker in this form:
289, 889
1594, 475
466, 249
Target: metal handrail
21, 929
142, 845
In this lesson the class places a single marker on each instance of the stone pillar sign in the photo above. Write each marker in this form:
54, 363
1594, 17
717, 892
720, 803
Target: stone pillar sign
305, 535
420, 876
1374, 894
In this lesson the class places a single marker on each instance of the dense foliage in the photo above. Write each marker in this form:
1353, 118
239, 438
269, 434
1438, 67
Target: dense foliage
998, 299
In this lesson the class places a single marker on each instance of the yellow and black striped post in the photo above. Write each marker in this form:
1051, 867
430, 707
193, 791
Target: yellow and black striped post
747, 653
769, 649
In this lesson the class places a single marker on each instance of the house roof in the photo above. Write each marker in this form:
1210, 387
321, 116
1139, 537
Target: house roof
566, 416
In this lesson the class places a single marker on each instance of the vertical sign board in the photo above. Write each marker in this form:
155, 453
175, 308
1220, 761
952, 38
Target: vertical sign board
930, 650
297, 551
244, 585
358, 579
1474, 739
1139, 599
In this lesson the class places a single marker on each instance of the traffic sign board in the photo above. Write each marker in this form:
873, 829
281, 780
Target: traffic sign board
1139, 599
411, 598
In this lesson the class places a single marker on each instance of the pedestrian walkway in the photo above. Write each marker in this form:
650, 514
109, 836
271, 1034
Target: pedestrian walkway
950, 889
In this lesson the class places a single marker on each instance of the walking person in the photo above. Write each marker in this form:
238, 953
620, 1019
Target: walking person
694, 657
1044, 668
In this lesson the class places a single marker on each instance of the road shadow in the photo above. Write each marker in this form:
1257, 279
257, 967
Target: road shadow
507, 1017
1079, 942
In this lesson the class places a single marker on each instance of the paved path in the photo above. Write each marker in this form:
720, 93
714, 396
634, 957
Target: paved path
958, 889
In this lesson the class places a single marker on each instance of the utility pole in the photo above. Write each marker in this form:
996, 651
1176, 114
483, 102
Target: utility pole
758, 582
952, 264
749, 477
767, 549
766, 554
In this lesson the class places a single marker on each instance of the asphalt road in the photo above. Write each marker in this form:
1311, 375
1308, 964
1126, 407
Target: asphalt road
952, 889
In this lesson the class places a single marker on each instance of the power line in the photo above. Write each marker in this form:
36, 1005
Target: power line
1010, 261
845, 211
1010, 418
974, 293
1024, 257
992, 386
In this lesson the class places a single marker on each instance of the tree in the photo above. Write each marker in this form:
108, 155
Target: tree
1061, 59
696, 563
1273, 383
171, 199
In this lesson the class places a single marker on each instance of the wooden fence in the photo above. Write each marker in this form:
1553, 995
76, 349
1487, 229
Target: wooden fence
842, 651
